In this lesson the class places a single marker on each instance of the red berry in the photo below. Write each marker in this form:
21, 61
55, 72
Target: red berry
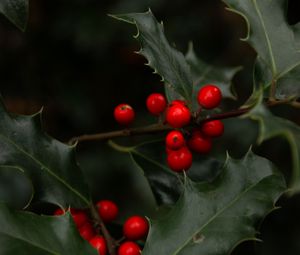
86, 231
156, 103
178, 116
107, 210
213, 128
178, 102
124, 114
135, 228
180, 160
209, 96
79, 217
175, 140
58, 212
98, 242
129, 248
200, 143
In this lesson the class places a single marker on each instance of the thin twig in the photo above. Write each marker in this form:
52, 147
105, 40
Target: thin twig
156, 128
160, 127
226, 115
151, 129
272, 90
295, 104
120, 240
110, 241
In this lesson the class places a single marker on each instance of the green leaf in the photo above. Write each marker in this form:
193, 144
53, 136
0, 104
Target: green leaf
50, 164
15, 188
212, 218
271, 126
28, 233
165, 184
16, 11
168, 62
274, 41
208, 74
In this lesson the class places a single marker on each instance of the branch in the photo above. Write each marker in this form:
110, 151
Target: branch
151, 129
157, 128
226, 115
110, 241
272, 90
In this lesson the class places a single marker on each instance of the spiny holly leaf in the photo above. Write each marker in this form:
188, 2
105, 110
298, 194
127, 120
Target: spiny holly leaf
15, 188
28, 233
260, 77
272, 126
274, 40
50, 164
16, 11
212, 218
169, 63
166, 185
208, 74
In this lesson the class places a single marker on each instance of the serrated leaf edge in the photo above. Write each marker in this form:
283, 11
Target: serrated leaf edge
287, 135
189, 182
140, 52
276, 76
37, 120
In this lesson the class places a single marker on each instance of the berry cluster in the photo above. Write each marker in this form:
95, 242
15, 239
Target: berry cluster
178, 116
134, 228
179, 156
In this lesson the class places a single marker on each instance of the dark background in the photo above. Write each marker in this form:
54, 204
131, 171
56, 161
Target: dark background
79, 64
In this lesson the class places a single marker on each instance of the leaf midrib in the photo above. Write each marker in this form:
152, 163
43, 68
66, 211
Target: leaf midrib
218, 214
165, 169
187, 95
31, 243
273, 63
44, 167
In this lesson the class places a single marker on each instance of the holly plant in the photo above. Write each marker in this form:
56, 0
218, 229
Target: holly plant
210, 205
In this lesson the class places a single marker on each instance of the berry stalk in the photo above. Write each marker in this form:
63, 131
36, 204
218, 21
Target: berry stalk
111, 243
151, 129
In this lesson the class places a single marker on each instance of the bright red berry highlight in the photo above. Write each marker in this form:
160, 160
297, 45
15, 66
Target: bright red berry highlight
175, 140
129, 248
79, 217
135, 228
86, 231
107, 210
98, 242
124, 114
209, 96
213, 128
180, 160
200, 143
156, 103
178, 115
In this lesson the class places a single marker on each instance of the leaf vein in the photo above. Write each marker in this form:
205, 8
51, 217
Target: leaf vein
45, 168
274, 68
216, 215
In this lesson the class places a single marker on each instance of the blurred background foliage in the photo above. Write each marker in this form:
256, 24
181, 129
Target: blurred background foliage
79, 64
